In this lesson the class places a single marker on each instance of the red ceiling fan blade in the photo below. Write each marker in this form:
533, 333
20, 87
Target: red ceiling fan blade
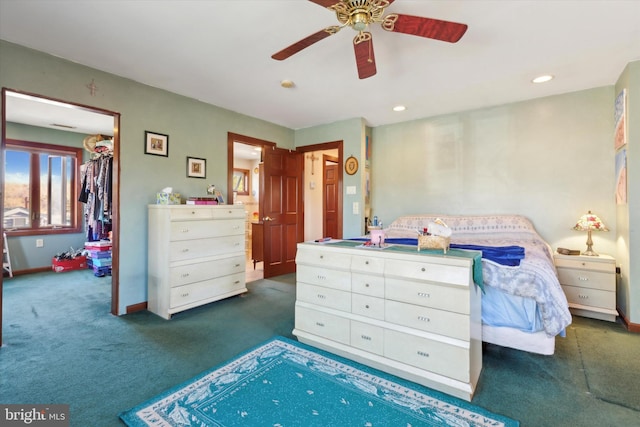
325, 3
306, 42
365, 59
446, 31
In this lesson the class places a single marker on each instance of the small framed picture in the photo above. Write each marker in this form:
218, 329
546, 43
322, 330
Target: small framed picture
156, 144
196, 168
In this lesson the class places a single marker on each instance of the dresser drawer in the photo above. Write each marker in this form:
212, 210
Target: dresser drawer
425, 271
336, 279
196, 272
228, 213
323, 324
367, 337
323, 296
367, 264
195, 292
367, 285
190, 212
434, 356
607, 267
590, 297
323, 258
587, 279
198, 248
188, 230
447, 323
368, 306
454, 299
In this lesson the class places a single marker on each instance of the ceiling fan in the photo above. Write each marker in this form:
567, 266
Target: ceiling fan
358, 14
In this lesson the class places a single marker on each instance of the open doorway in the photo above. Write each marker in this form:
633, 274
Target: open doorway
25, 113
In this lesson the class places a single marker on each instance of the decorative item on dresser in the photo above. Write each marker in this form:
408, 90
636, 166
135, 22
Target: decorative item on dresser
196, 256
590, 222
411, 314
589, 283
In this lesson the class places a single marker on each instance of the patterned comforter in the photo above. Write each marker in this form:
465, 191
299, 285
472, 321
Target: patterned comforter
534, 278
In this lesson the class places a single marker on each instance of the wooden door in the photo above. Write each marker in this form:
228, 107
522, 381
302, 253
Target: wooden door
331, 184
281, 210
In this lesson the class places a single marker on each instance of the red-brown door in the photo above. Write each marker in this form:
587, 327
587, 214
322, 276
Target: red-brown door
330, 193
281, 210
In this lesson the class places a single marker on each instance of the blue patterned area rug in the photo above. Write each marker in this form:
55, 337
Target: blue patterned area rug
285, 383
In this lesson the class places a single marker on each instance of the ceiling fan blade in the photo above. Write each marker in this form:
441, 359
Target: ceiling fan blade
365, 59
325, 3
306, 42
446, 31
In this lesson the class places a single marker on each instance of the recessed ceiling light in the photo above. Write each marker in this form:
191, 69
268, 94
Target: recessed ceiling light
543, 78
399, 108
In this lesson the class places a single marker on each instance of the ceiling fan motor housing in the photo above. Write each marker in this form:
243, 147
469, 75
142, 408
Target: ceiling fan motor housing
359, 13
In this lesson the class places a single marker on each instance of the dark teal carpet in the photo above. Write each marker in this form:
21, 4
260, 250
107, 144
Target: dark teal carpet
286, 383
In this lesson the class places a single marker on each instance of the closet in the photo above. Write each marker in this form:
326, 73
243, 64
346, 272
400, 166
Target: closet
96, 192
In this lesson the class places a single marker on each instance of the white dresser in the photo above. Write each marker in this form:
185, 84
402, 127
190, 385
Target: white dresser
413, 315
196, 256
589, 282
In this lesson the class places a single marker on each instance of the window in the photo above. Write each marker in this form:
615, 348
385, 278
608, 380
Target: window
41, 188
241, 181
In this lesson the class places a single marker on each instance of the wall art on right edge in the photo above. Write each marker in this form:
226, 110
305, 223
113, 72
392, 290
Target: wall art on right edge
620, 136
621, 177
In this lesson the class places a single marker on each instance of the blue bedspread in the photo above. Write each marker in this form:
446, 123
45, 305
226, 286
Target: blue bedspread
503, 255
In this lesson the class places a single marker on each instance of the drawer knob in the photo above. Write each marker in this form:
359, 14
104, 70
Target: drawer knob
422, 353
320, 324
185, 275
364, 337
185, 250
321, 256
366, 306
366, 262
424, 319
185, 230
583, 279
320, 296
186, 294
424, 294
583, 296
424, 269
366, 285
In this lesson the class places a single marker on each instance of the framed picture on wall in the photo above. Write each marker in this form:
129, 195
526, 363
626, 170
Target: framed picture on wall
156, 144
196, 167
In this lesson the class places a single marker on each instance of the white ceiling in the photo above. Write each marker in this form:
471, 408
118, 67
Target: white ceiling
219, 51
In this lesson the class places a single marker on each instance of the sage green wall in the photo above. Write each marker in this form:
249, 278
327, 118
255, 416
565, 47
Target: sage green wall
24, 253
628, 216
550, 159
194, 128
352, 133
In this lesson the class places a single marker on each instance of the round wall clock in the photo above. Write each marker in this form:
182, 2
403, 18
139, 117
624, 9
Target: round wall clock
351, 165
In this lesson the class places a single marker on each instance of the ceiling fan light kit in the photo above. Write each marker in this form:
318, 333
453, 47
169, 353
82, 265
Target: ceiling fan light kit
358, 14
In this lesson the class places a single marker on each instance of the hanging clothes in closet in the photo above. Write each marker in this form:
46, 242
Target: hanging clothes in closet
96, 195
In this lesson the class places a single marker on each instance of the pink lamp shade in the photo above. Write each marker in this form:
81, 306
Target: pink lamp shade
590, 222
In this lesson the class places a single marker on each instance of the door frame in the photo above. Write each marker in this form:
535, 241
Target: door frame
235, 137
115, 217
330, 146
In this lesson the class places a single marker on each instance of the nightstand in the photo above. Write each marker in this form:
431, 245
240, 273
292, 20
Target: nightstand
589, 282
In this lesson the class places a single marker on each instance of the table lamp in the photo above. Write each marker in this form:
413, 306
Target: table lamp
590, 222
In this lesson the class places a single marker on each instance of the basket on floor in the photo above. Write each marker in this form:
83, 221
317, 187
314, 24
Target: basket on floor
433, 242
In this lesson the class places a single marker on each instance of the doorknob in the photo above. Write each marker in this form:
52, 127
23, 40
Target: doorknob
267, 218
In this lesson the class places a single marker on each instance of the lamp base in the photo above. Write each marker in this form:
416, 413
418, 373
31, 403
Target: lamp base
589, 251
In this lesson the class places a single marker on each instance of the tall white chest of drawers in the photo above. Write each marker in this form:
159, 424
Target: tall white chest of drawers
196, 256
403, 312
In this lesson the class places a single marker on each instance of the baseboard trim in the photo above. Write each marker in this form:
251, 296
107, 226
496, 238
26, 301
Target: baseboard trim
134, 308
631, 327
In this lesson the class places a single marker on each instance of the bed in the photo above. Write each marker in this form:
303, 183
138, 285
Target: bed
523, 305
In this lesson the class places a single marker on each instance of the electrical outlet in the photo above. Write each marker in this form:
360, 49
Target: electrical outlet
39, 243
